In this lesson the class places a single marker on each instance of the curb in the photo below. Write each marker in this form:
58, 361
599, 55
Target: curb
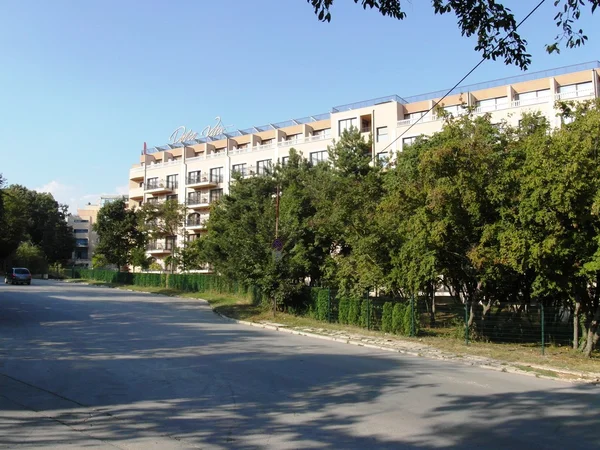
503, 366
507, 368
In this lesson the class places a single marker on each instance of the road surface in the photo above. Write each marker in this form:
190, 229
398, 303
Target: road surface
89, 367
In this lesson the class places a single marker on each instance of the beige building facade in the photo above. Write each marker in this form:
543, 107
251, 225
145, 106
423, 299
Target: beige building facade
196, 170
86, 239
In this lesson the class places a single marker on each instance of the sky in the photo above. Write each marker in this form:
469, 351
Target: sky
86, 83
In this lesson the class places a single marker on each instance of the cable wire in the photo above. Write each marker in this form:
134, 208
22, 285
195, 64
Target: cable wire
463, 78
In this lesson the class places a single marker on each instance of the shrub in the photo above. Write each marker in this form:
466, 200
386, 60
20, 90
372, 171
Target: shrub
397, 318
407, 320
354, 311
386, 318
365, 313
343, 310
319, 303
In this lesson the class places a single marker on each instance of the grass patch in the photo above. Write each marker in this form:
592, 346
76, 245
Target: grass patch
537, 371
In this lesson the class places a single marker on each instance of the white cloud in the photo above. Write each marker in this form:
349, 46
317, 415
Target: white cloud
74, 197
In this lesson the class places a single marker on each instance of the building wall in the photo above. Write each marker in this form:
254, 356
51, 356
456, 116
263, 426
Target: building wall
391, 121
86, 238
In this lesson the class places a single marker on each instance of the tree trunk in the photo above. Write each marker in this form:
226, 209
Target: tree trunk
593, 336
576, 324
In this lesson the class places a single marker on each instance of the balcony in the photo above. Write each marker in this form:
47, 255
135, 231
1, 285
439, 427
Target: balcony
197, 202
201, 182
196, 224
136, 193
136, 173
160, 187
158, 248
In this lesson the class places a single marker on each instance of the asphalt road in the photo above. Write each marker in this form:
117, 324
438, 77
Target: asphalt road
88, 367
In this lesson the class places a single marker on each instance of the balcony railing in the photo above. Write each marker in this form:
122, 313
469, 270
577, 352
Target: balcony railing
197, 200
196, 222
197, 179
152, 185
157, 246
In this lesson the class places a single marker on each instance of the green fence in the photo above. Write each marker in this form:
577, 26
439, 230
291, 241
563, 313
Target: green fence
535, 326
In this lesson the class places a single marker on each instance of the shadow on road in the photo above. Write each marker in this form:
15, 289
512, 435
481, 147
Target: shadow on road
138, 366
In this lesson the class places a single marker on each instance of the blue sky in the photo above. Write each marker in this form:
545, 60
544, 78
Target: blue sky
85, 83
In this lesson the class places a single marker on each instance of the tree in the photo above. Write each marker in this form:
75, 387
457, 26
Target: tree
32, 257
491, 22
118, 233
163, 220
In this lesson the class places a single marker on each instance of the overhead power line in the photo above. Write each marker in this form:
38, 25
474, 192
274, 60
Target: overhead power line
464, 78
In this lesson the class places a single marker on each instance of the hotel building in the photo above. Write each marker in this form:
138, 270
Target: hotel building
197, 169
86, 238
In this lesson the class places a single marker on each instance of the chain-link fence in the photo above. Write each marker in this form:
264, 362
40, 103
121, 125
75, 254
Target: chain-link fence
534, 325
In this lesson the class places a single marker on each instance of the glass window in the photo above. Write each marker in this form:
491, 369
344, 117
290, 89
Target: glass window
347, 124
79, 231
172, 197
172, 182
284, 160
81, 242
215, 194
216, 175
317, 157
263, 167
152, 183
239, 169
382, 134
194, 177
408, 141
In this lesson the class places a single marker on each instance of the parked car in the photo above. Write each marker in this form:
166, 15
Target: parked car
18, 275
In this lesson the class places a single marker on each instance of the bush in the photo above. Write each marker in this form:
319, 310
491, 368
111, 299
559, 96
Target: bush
397, 318
318, 307
386, 318
407, 320
343, 310
365, 313
354, 311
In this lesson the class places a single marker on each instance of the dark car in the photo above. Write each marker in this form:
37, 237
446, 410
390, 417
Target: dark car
18, 275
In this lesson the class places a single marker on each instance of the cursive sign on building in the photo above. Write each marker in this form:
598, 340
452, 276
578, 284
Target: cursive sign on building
182, 134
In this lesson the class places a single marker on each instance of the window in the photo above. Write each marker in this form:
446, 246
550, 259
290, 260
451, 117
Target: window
81, 242
454, 110
383, 158
326, 132
152, 201
242, 146
293, 138
152, 183
263, 167
195, 198
529, 98
193, 220
170, 242
382, 134
191, 237
81, 254
267, 142
81, 221
284, 160
408, 141
172, 181
492, 104
216, 175
172, 197
576, 90
413, 117
317, 157
240, 169
79, 231
365, 124
347, 124
194, 177
215, 194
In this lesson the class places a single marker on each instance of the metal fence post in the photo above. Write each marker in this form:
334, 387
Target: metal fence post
543, 329
412, 316
466, 321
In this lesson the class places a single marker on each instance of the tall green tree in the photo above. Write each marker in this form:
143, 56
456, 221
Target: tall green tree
493, 24
118, 233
